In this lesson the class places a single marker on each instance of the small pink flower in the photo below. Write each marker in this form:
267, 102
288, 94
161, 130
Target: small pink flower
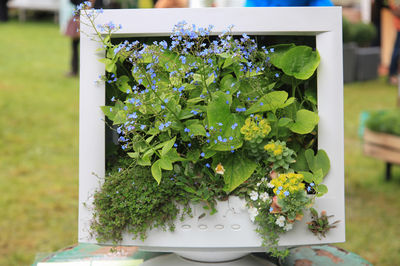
275, 206
273, 174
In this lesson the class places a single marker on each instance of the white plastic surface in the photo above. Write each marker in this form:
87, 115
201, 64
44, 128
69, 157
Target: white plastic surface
322, 22
174, 260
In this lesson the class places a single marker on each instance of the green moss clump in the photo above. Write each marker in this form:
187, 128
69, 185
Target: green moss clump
130, 200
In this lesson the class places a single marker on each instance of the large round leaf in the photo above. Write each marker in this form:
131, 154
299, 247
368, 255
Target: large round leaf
297, 61
238, 168
305, 122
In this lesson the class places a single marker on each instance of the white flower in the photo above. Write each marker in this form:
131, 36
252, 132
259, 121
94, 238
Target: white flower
258, 184
253, 212
220, 169
253, 195
270, 185
264, 196
263, 179
288, 227
280, 221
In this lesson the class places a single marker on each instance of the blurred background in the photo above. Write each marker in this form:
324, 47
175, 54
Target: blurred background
39, 127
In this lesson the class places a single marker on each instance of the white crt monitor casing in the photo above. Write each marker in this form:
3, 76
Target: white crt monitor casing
325, 23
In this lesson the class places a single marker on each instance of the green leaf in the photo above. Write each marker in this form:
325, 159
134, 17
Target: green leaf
173, 156
210, 79
149, 139
314, 212
317, 162
318, 176
311, 95
144, 161
110, 65
108, 111
284, 121
218, 111
193, 155
196, 130
119, 118
301, 162
189, 189
149, 153
134, 155
209, 153
270, 102
278, 56
167, 146
321, 189
107, 39
308, 177
228, 61
238, 168
224, 55
137, 77
140, 146
271, 117
227, 82
162, 144
195, 100
156, 171
122, 84
185, 114
305, 122
322, 161
298, 61
165, 163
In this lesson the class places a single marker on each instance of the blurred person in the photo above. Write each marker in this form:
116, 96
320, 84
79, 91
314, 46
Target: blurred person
65, 14
72, 31
3, 10
170, 3
394, 62
376, 10
260, 3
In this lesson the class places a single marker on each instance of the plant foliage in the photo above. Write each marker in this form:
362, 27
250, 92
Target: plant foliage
201, 117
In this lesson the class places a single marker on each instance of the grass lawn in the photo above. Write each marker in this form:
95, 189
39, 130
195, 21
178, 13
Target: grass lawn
39, 154
38, 143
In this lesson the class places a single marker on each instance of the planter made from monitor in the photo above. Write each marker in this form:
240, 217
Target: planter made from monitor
228, 231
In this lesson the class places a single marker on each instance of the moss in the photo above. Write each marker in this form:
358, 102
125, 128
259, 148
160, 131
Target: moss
131, 200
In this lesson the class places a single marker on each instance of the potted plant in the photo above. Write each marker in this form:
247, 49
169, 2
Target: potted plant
382, 137
349, 52
368, 58
360, 61
217, 139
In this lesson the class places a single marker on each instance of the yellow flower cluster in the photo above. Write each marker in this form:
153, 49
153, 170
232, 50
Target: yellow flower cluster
255, 127
277, 149
285, 184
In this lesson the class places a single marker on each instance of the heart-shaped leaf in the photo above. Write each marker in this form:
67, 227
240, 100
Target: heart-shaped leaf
271, 102
297, 61
317, 162
238, 168
305, 122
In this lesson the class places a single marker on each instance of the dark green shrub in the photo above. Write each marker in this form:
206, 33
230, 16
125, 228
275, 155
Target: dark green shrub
364, 34
360, 33
348, 31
